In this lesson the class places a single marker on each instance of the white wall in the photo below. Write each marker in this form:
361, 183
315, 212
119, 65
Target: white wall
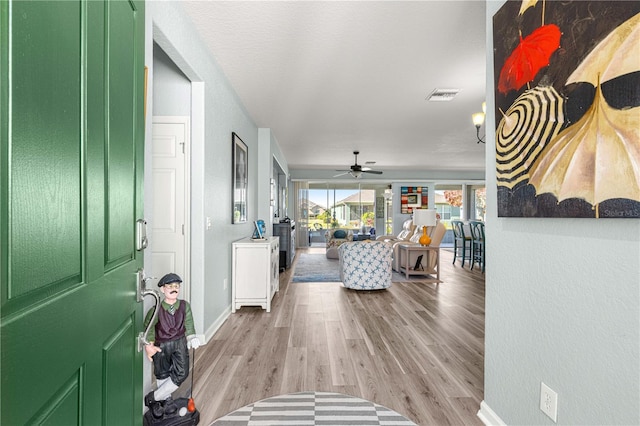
562, 307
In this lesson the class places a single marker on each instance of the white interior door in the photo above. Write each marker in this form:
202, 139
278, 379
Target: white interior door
169, 227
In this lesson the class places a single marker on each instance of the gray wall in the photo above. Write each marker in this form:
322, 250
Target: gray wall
562, 307
222, 114
171, 88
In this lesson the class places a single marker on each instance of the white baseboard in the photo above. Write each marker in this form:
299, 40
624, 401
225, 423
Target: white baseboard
217, 324
488, 416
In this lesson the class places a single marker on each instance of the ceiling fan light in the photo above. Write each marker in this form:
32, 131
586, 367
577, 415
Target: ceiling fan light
356, 173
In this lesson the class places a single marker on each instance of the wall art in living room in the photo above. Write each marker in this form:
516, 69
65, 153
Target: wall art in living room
239, 179
567, 108
413, 197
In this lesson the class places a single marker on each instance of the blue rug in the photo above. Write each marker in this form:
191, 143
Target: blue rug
315, 268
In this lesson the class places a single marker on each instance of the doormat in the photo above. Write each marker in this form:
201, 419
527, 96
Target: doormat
316, 268
313, 408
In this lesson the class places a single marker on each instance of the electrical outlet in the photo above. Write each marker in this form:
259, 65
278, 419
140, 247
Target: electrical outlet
549, 402
224, 284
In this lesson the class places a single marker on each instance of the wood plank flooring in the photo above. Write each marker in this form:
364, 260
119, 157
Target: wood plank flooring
416, 348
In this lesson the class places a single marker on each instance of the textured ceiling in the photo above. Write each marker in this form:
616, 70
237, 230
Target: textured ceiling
332, 77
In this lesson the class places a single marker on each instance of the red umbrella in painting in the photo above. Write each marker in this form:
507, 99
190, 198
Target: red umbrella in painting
529, 57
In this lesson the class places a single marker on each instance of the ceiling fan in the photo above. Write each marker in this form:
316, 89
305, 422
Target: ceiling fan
356, 170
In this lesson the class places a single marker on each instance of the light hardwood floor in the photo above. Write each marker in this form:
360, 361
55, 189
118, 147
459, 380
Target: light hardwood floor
417, 348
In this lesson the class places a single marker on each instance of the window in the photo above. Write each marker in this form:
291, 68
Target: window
479, 201
344, 205
448, 203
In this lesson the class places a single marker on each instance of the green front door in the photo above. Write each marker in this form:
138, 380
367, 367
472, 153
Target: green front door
72, 75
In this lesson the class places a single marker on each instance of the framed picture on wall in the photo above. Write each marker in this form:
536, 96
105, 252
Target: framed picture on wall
380, 205
413, 197
239, 179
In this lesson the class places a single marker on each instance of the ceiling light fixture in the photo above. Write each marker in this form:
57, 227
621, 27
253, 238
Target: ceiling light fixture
478, 120
388, 193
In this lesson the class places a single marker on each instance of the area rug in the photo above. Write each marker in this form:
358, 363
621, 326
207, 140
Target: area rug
313, 408
315, 267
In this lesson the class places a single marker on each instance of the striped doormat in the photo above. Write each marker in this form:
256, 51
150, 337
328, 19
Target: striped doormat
313, 408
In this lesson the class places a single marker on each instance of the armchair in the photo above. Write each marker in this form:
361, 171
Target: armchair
408, 230
365, 265
437, 233
334, 238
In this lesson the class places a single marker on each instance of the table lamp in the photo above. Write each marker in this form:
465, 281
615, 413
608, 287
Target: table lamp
423, 218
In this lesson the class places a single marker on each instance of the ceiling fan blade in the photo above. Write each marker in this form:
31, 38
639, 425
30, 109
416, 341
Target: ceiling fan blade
356, 169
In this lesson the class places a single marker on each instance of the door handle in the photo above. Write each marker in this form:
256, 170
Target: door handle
143, 291
141, 235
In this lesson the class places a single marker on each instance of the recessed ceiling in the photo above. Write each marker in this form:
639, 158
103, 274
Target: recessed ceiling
332, 77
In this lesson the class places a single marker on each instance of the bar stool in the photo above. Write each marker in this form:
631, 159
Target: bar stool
477, 243
461, 242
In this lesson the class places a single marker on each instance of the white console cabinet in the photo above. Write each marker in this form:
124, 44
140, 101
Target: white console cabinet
255, 272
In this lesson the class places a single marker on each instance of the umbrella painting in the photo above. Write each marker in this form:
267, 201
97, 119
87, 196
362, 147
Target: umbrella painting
568, 135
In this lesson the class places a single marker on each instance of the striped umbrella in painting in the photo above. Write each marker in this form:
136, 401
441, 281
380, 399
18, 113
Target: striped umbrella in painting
526, 128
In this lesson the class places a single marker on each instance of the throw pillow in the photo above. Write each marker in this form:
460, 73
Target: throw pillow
340, 234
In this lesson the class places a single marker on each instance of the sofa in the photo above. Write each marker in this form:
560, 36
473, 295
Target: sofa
436, 232
365, 265
335, 238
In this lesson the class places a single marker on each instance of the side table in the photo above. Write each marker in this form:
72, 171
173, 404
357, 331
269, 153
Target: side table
405, 250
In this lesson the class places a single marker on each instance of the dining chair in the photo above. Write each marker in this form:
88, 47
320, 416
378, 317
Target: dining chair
461, 242
477, 243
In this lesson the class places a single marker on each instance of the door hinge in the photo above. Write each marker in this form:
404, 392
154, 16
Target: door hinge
183, 229
182, 144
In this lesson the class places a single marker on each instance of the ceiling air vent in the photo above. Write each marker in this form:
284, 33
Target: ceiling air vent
443, 95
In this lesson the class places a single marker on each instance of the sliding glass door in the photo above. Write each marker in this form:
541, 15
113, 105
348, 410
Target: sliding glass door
363, 207
346, 206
